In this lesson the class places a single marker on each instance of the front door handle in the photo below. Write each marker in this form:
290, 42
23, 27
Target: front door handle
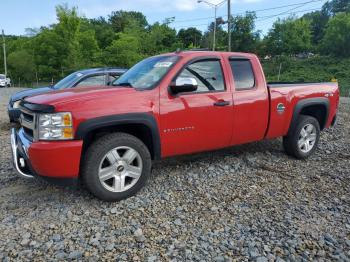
222, 103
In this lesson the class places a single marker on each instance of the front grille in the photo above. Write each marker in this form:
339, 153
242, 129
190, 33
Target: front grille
28, 121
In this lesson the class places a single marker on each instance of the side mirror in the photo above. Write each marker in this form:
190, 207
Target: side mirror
184, 84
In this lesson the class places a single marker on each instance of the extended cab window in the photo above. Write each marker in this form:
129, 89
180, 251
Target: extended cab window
243, 74
208, 74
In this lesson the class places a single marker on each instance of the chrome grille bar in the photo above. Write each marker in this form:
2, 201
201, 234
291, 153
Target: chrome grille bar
28, 121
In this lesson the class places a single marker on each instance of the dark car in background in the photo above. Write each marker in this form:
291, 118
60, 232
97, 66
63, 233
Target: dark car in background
88, 77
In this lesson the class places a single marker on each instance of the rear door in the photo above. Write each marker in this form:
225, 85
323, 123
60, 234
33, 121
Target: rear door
200, 120
250, 99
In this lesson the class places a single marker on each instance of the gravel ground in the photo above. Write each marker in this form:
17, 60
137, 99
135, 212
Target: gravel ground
247, 203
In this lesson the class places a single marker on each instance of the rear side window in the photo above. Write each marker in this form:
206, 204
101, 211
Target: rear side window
243, 74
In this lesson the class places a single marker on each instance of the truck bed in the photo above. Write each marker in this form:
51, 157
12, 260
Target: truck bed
288, 94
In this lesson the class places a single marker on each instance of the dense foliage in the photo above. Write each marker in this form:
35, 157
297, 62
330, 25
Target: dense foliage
125, 37
315, 69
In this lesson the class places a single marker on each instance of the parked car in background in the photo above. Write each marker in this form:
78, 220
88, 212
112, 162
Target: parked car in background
88, 77
4, 81
173, 104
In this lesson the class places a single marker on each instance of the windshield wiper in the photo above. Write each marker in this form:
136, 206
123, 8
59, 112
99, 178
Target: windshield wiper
126, 84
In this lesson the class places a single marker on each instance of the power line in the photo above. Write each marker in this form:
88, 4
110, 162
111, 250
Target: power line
264, 18
296, 12
256, 11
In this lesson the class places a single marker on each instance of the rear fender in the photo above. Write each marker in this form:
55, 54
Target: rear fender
302, 104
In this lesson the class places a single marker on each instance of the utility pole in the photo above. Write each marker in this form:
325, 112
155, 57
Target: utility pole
229, 24
4, 47
214, 36
215, 22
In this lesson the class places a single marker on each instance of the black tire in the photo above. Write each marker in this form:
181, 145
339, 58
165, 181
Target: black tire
290, 142
96, 153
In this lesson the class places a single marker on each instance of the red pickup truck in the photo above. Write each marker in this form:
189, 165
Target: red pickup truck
167, 105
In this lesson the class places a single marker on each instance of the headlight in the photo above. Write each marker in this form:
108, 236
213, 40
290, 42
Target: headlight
56, 126
16, 104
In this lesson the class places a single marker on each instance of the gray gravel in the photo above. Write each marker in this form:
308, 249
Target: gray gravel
250, 202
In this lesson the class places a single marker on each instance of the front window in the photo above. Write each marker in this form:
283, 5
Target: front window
2, 76
68, 81
208, 74
147, 73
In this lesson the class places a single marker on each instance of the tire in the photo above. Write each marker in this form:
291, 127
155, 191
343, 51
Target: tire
300, 136
112, 171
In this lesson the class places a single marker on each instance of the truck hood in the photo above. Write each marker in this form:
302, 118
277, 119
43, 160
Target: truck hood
76, 94
30, 92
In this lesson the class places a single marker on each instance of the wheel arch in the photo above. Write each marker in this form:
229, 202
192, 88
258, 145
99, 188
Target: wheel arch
315, 107
141, 125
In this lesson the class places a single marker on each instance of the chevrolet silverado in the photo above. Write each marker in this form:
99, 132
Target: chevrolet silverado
167, 105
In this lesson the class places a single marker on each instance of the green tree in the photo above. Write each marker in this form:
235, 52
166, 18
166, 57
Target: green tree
120, 20
103, 31
289, 36
159, 38
50, 54
89, 51
243, 34
190, 37
318, 21
68, 29
331, 8
21, 64
124, 51
220, 36
337, 36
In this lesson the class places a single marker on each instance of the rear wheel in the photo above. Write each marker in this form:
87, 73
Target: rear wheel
302, 140
116, 166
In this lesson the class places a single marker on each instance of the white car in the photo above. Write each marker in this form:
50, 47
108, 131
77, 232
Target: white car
4, 82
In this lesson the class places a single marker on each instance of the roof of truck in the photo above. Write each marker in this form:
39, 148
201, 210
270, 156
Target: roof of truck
102, 69
201, 52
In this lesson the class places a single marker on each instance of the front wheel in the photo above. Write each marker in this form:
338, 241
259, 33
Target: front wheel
302, 140
116, 166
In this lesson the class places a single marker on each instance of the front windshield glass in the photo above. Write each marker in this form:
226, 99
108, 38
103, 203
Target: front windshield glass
2, 76
68, 81
147, 73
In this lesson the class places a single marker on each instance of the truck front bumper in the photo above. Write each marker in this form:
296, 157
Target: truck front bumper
59, 159
19, 155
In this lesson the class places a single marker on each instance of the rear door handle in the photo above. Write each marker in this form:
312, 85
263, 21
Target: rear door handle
222, 103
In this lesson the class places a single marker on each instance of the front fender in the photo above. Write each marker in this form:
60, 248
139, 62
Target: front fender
145, 119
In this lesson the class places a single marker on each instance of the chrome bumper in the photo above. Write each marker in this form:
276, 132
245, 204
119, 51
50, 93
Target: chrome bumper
19, 162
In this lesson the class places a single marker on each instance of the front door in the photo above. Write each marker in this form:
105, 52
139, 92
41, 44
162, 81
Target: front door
199, 120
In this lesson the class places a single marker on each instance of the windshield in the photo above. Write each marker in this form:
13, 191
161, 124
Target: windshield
147, 73
2, 76
68, 81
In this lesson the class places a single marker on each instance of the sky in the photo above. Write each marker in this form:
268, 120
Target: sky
17, 15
